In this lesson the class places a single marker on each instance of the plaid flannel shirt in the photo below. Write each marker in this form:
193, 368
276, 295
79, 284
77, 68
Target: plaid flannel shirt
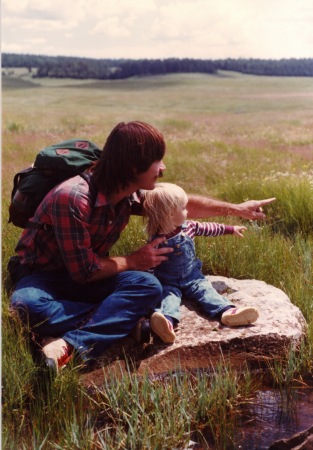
83, 229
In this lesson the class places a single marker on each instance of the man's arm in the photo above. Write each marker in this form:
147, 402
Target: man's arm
201, 207
144, 258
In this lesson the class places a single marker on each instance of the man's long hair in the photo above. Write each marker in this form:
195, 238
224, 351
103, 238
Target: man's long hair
130, 149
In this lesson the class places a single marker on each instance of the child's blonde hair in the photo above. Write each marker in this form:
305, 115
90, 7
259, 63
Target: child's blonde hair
160, 204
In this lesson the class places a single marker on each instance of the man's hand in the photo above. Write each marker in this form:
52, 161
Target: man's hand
148, 256
144, 258
202, 207
252, 209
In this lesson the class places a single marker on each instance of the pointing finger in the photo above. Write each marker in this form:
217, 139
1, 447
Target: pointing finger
266, 201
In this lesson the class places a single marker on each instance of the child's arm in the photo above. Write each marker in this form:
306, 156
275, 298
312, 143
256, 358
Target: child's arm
212, 229
238, 230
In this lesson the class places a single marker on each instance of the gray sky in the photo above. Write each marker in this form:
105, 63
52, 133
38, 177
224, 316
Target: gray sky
207, 29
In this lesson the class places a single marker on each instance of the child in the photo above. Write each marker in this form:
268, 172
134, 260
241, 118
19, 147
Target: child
165, 213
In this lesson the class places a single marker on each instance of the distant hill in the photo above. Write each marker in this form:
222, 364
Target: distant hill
112, 69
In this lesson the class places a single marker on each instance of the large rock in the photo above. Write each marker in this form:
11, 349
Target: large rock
203, 343
300, 441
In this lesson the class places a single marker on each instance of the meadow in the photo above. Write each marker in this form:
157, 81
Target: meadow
230, 136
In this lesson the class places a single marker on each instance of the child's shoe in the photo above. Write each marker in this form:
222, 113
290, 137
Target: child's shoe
162, 327
236, 317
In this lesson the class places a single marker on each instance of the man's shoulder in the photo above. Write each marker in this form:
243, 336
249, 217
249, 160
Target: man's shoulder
74, 188
71, 185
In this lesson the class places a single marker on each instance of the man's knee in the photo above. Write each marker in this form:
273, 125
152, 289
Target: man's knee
142, 281
19, 307
146, 287
152, 281
153, 288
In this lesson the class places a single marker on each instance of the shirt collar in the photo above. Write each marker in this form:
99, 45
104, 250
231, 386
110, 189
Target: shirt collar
103, 200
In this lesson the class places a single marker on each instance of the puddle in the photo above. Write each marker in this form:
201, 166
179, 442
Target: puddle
270, 416
273, 416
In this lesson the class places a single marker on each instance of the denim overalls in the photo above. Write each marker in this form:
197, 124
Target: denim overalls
181, 275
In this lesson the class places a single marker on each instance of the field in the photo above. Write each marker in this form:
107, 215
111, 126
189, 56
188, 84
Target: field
228, 136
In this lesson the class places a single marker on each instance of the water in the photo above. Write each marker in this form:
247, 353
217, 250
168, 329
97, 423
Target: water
271, 415
274, 415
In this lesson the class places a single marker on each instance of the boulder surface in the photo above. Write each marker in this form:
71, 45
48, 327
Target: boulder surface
300, 441
202, 343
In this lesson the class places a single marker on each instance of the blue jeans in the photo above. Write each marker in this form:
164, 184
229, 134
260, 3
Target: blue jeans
196, 287
181, 275
90, 316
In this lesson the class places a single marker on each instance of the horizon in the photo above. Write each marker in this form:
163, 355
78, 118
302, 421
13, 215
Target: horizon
147, 58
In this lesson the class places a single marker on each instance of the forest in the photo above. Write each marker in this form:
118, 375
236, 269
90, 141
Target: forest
112, 69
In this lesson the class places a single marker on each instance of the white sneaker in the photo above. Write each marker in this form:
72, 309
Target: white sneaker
162, 327
57, 353
236, 317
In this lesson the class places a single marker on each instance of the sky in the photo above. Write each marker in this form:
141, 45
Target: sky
200, 29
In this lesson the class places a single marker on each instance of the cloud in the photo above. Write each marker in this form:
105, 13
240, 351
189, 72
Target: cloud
160, 28
113, 27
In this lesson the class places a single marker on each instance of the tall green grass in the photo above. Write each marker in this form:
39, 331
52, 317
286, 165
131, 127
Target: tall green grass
236, 138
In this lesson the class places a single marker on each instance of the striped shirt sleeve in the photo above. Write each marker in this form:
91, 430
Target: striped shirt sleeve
210, 229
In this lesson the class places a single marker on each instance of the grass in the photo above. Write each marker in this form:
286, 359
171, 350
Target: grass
235, 138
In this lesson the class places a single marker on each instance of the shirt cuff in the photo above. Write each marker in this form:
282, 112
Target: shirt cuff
229, 229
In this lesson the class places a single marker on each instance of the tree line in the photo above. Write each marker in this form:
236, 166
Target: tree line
112, 69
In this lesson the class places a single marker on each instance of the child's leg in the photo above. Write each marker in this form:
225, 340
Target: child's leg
167, 316
171, 303
219, 307
201, 290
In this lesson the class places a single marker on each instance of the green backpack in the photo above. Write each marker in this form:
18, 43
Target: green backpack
52, 165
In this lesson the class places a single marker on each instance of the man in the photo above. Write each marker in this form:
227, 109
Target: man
72, 293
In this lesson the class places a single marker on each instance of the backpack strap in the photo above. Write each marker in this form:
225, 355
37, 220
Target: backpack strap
92, 186
93, 191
